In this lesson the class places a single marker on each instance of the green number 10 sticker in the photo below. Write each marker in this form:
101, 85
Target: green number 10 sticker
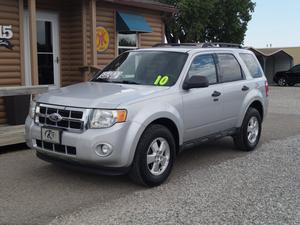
161, 80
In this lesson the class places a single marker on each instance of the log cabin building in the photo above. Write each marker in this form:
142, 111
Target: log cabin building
58, 42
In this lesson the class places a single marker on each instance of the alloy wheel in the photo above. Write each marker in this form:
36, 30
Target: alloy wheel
282, 82
253, 129
158, 156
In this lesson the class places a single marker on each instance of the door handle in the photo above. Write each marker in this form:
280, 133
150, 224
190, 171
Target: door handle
216, 94
245, 88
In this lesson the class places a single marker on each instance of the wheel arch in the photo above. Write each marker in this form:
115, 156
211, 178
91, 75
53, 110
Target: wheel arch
171, 125
256, 104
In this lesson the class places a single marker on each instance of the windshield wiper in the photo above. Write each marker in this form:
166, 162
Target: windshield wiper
126, 82
101, 80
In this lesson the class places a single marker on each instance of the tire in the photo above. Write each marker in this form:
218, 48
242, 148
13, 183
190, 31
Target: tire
143, 171
245, 140
282, 81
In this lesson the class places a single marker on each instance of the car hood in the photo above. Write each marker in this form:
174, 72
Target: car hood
98, 95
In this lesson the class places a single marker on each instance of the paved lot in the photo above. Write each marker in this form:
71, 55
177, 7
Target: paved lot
211, 184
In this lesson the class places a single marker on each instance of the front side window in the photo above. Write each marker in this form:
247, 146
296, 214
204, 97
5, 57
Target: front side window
204, 65
230, 68
127, 42
251, 64
144, 67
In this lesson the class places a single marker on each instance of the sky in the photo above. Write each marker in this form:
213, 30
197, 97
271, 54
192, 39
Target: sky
275, 22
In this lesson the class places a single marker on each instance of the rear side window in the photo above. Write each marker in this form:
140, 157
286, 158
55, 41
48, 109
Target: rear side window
204, 65
296, 69
252, 65
230, 68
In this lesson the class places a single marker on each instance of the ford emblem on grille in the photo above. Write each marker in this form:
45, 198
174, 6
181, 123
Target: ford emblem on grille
55, 117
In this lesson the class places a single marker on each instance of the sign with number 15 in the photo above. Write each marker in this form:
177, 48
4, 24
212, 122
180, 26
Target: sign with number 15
6, 34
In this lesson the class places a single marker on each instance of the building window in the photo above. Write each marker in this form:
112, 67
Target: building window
127, 42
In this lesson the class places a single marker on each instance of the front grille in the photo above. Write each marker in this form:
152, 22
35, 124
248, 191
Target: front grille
64, 149
72, 118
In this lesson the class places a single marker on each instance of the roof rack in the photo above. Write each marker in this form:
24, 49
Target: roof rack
200, 45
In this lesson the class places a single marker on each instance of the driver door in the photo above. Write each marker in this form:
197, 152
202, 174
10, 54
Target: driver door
201, 106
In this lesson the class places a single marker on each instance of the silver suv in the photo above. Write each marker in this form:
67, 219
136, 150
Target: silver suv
136, 114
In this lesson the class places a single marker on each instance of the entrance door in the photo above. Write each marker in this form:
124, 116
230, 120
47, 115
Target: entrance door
47, 27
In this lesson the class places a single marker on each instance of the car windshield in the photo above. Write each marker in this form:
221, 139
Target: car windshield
157, 68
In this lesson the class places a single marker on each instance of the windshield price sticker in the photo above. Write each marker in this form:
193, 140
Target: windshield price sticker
110, 75
161, 80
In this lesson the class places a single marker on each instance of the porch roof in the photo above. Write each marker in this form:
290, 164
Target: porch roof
267, 52
146, 4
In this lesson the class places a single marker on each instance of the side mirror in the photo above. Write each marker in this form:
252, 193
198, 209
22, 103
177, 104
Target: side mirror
195, 82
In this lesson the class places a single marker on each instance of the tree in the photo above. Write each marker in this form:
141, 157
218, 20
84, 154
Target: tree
208, 20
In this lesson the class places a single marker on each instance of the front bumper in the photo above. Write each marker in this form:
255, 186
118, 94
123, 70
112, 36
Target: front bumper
122, 137
82, 166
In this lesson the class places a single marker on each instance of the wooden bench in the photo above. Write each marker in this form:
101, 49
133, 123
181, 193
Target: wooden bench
23, 90
10, 135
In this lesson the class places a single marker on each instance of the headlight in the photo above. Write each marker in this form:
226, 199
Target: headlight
32, 108
107, 118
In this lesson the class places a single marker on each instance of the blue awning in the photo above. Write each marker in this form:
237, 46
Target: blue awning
132, 23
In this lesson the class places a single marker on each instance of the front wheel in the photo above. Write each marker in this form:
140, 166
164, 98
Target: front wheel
154, 157
248, 135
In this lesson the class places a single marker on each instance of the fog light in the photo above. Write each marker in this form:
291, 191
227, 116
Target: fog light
103, 150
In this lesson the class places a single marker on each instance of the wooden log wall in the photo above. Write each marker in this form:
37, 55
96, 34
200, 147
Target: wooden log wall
71, 43
106, 18
10, 60
157, 34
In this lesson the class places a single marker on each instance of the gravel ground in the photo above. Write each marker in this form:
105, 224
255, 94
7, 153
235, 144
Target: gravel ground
285, 100
260, 188
210, 184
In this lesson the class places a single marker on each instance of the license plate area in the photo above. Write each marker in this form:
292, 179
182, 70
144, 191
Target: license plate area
51, 135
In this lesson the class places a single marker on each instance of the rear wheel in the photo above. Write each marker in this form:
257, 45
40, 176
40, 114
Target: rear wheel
282, 81
154, 157
248, 135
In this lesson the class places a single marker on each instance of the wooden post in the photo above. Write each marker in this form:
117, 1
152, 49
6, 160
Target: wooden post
33, 41
21, 38
115, 34
93, 31
163, 31
83, 26
84, 39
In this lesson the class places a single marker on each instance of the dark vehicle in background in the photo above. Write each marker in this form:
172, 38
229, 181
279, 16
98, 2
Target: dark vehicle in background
290, 77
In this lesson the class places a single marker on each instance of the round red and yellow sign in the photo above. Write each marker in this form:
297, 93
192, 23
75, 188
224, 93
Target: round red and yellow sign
102, 39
